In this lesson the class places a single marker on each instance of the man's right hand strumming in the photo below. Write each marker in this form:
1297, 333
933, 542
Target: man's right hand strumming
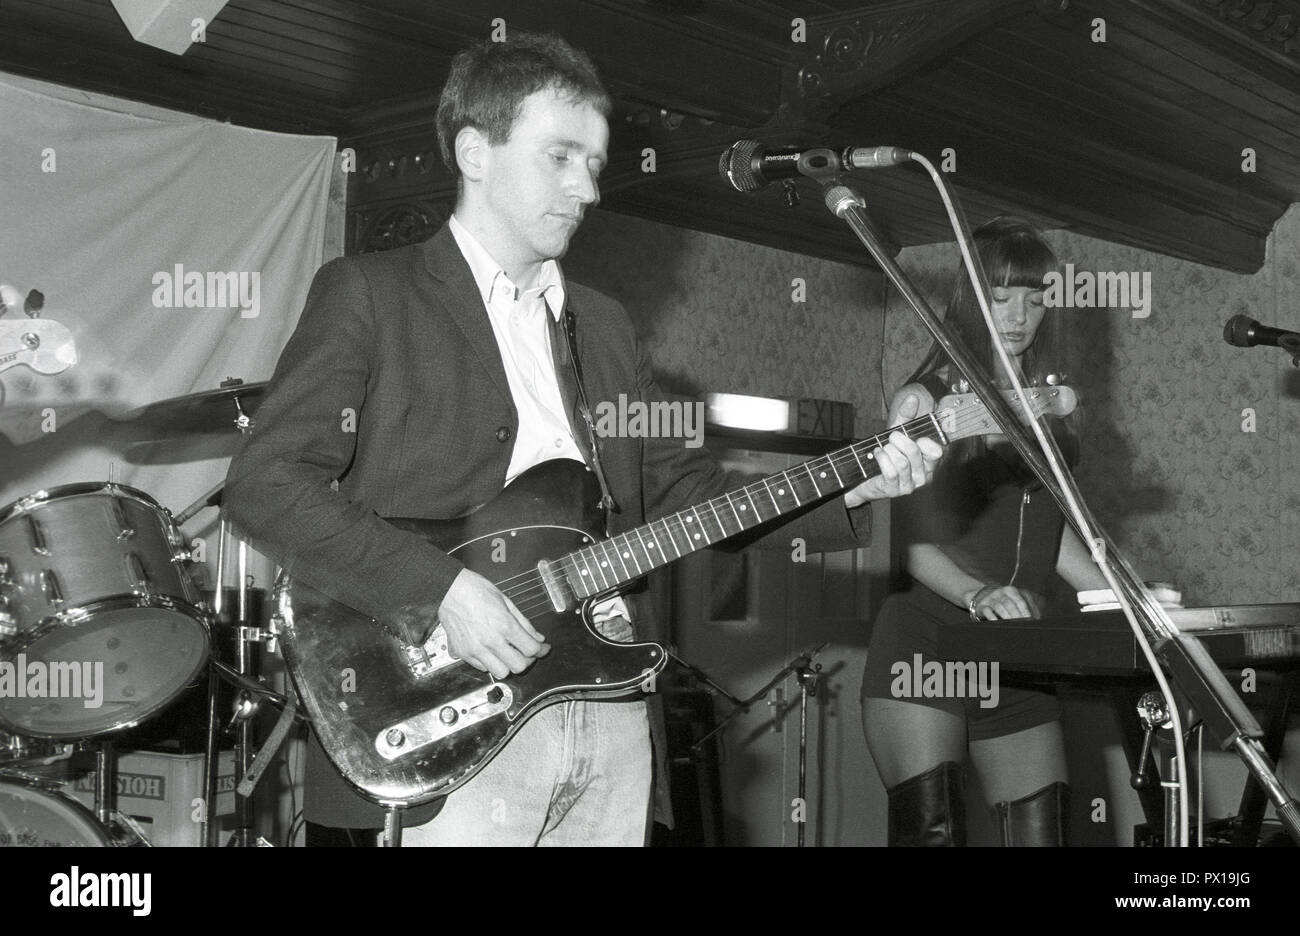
486, 630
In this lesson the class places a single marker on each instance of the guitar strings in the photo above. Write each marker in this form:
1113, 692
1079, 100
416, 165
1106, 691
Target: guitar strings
531, 583
525, 588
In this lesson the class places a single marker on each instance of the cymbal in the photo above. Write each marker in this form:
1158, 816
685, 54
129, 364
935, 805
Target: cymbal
210, 411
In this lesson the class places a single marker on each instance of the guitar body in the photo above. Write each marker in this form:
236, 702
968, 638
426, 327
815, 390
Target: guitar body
406, 723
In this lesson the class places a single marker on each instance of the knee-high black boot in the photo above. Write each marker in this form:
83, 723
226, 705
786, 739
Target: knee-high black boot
1039, 819
930, 808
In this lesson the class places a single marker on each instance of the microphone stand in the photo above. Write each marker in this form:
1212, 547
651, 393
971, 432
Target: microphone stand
1200, 683
808, 676
705, 678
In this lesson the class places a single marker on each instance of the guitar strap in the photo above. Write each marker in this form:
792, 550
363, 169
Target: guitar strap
569, 368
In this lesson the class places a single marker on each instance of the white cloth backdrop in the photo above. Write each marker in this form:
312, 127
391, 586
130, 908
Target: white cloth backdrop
97, 197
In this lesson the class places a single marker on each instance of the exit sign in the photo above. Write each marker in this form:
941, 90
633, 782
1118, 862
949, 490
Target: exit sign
825, 419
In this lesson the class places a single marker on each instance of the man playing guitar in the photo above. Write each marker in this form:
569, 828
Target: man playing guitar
421, 382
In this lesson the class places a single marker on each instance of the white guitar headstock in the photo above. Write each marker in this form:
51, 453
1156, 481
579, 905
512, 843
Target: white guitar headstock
964, 414
44, 345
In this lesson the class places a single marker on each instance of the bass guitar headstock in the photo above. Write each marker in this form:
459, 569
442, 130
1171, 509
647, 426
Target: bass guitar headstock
961, 415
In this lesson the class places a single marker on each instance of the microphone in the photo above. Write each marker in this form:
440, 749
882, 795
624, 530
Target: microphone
1244, 332
749, 165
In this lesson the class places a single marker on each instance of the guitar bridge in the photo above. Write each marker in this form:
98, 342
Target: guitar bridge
414, 734
429, 657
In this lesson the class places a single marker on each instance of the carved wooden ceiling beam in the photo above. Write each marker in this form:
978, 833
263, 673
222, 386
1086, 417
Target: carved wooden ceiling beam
1275, 23
1265, 32
850, 54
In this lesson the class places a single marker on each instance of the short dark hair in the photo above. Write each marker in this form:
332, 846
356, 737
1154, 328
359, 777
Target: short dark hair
490, 81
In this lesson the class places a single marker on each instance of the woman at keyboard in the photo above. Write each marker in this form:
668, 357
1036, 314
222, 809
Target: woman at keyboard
982, 542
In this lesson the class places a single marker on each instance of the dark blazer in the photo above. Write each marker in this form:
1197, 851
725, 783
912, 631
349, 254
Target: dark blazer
391, 400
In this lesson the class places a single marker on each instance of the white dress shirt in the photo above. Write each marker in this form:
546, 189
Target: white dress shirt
519, 323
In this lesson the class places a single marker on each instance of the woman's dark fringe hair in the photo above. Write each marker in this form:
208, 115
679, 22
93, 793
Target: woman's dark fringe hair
490, 81
1013, 253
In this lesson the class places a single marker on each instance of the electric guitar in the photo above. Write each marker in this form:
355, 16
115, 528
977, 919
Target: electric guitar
406, 722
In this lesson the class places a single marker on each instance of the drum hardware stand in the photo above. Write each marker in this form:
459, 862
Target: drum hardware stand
211, 499
211, 755
243, 422
115, 822
248, 634
1153, 713
105, 782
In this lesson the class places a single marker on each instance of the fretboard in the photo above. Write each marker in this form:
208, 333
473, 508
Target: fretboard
621, 559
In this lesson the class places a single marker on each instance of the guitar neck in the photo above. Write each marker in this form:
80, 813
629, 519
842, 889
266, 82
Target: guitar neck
615, 562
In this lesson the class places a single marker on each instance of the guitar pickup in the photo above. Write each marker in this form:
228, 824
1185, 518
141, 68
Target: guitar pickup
557, 587
414, 734
429, 657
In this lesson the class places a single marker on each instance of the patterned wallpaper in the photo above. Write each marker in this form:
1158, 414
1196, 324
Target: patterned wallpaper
1168, 469
720, 315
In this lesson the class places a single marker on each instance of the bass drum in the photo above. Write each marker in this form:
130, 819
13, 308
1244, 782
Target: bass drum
34, 815
100, 621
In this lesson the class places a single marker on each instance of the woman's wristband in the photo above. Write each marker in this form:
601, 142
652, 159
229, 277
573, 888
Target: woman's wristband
974, 600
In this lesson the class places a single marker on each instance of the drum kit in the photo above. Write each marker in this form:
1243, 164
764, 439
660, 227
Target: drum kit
103, 626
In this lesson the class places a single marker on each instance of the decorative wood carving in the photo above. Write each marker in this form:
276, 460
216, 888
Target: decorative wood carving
1275, 23
400, 225
850, 54
401, 193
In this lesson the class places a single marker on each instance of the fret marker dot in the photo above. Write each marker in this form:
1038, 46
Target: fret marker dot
871, 455
604, 564
650, 546
781, 491
697, 536
626, 555
583, 572
690, 519
823, 474
743, 507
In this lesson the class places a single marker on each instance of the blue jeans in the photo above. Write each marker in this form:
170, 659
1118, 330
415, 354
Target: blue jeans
576, 773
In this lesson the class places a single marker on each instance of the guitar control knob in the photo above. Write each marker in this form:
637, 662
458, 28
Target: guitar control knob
495, 694
395, 738
447, 715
